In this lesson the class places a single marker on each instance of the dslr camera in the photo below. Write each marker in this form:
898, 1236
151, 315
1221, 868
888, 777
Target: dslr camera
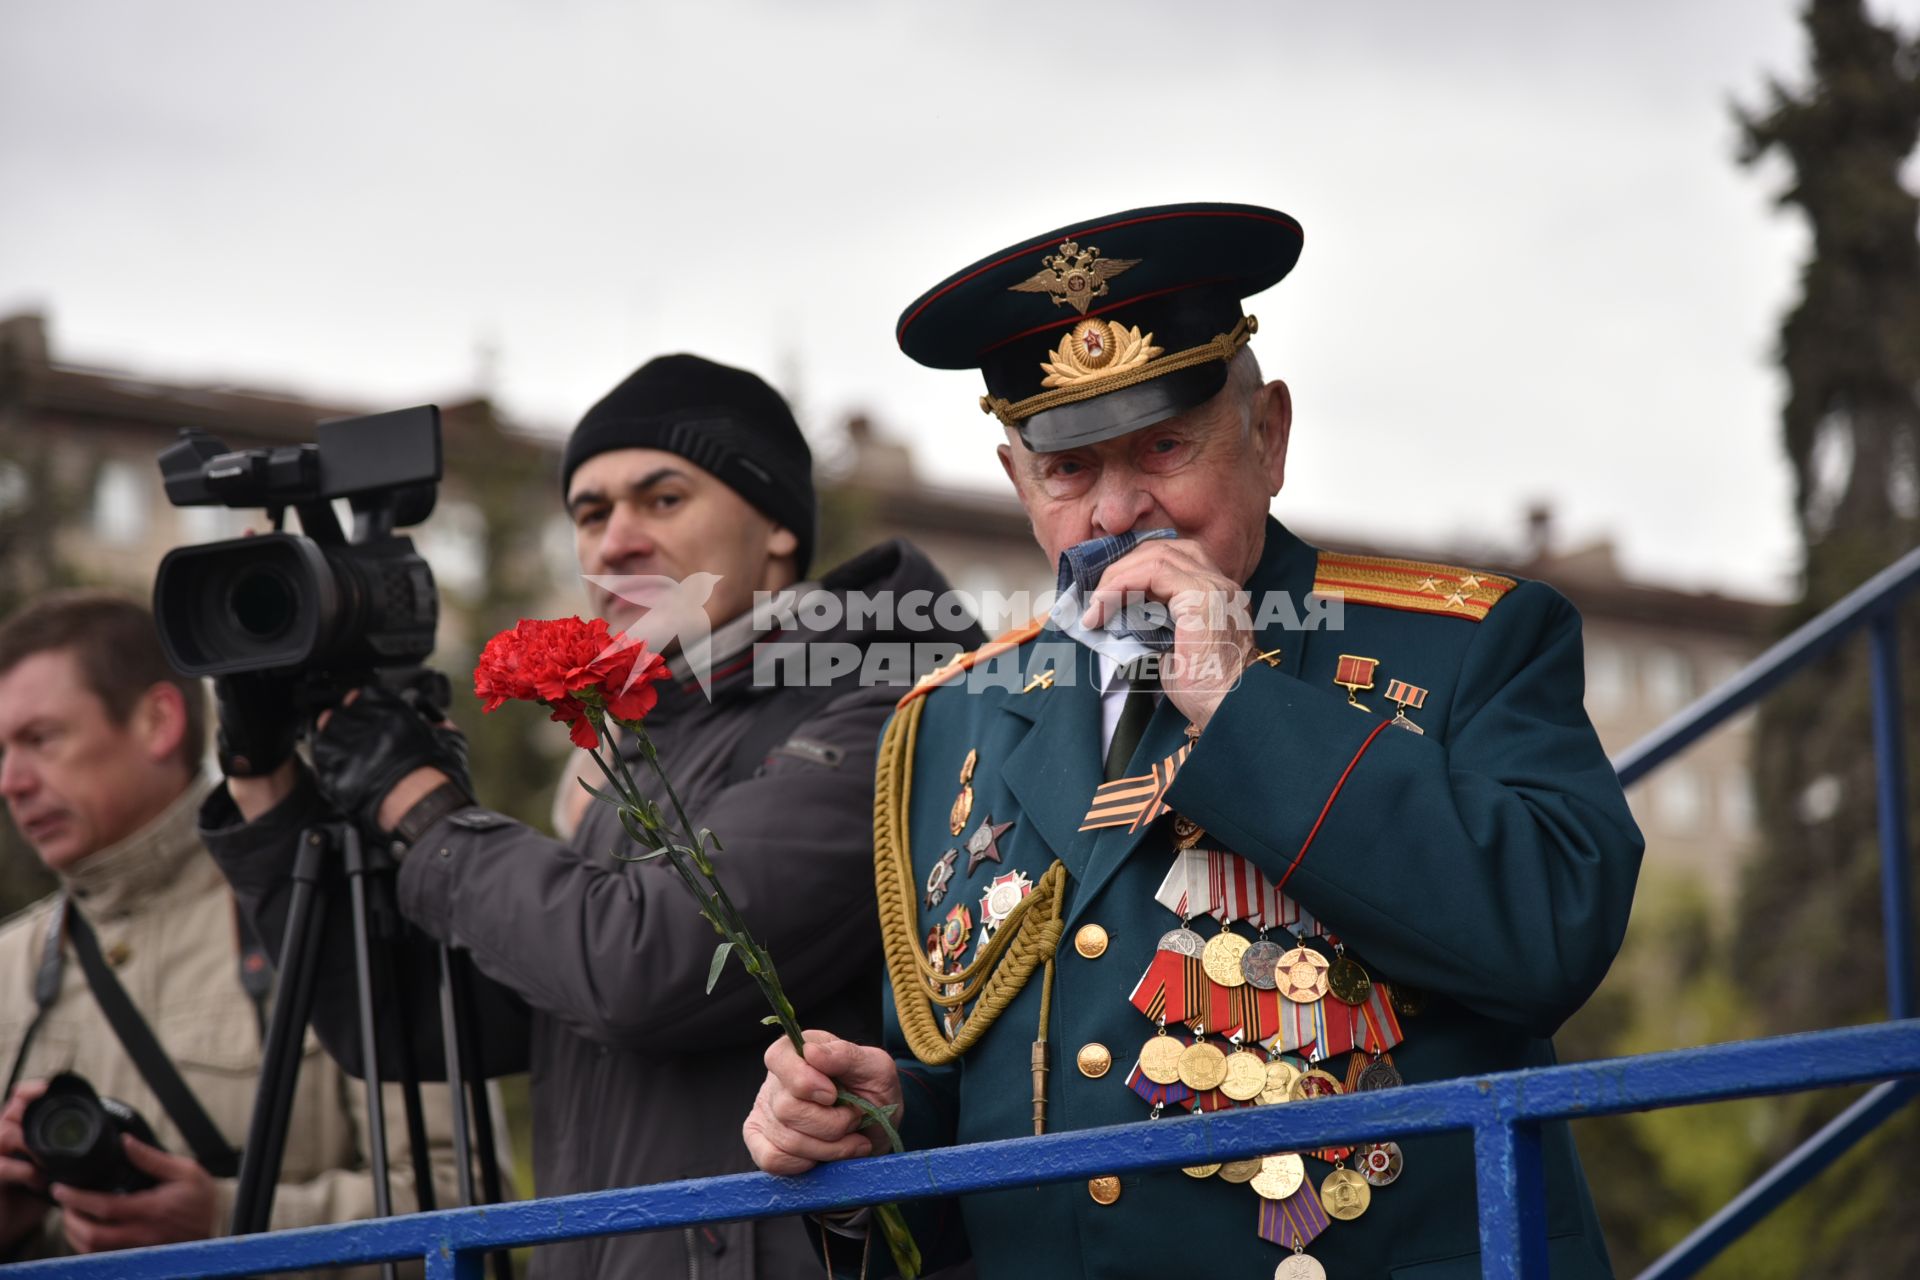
73, 1134
332, 606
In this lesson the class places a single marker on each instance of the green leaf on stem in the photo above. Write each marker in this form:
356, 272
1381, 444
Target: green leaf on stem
875, 1114
719, 961
649, 856
599, 793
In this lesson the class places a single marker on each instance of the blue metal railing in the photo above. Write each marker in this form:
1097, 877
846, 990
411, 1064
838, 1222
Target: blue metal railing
1871, 606
1504, 1111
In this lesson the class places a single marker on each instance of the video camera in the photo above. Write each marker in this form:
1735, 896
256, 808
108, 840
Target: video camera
332, 607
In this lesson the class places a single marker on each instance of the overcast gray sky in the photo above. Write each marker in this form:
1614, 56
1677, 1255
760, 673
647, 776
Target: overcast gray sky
1532, 270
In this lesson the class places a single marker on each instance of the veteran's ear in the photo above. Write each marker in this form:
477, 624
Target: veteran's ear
1272, 427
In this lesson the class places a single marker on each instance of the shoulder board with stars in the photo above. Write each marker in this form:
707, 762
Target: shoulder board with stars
1416, 585
1000, 644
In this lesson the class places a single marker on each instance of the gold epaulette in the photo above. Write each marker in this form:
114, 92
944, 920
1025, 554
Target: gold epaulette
1409, 584
1000, 644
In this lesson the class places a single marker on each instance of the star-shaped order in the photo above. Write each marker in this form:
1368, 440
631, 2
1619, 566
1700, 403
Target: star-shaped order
984, 844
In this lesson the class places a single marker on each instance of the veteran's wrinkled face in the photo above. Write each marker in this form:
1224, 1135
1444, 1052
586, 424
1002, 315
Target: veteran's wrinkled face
1208, 474
647, 512
74, 781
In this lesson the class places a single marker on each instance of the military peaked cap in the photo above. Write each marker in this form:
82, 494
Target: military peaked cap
1108, 325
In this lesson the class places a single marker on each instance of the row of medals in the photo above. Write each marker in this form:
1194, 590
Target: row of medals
1303, 976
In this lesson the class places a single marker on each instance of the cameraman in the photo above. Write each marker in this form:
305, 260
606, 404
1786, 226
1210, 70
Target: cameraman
693, 473
100, 750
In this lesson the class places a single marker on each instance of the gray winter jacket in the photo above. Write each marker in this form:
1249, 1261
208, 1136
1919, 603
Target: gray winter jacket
595, 970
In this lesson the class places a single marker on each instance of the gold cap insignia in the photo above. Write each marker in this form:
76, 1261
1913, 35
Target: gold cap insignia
1074, 276
1096, 349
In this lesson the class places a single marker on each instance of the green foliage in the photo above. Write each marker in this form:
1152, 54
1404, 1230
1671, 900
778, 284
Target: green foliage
1805, 947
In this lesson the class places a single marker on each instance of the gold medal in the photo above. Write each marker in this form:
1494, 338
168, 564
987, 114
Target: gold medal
1160, 1059
1186, 832
1246, 1076
1201, 1170
1347, 979
1202, 1066
1280, 1177
1315, 1083
1345, 1194
1406, 1001
1221, 958
963, 803
1281, 1077
1302, 975
1237, 1171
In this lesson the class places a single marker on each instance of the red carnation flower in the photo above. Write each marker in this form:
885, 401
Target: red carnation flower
570, 666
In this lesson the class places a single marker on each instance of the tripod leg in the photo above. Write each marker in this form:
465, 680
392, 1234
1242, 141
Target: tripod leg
369, 1043
461, 1031
394, 1025
456, 1076
280, 1058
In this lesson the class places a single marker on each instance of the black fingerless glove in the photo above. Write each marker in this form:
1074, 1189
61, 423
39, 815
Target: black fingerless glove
370, 744
258, 722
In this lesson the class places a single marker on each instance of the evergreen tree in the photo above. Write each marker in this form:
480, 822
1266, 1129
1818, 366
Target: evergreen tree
1809, 944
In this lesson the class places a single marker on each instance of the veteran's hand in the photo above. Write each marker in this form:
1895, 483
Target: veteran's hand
23, 1188
795, 1123
1213, 639
180, 1207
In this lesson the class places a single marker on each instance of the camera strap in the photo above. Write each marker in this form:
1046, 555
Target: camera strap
210, 1146
46, 987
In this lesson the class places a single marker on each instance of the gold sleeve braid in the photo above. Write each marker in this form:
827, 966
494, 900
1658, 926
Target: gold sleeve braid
1024, 942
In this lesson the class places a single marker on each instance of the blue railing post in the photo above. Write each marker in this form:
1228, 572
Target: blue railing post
1513, 1199
1890, 761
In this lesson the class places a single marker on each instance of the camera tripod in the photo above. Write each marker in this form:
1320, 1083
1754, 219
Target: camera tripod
383, 1025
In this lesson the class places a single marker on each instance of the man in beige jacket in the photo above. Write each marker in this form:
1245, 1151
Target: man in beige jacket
100, 750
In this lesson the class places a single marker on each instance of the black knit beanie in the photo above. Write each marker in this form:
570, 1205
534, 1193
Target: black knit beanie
724, 420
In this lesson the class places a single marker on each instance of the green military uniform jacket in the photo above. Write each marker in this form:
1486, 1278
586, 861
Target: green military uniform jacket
1487, 862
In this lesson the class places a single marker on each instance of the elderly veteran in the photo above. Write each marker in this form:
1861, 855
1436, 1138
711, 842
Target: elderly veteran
1303, 849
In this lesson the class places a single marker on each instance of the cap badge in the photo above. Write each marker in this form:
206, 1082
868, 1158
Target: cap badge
1096, 349
1074, 276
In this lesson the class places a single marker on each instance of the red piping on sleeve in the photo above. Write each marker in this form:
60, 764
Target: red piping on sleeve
1334, 795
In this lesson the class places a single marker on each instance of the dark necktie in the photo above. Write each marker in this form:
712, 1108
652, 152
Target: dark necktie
1132, 725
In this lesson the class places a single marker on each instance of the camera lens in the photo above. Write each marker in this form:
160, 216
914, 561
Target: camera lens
69, 1130
262, 602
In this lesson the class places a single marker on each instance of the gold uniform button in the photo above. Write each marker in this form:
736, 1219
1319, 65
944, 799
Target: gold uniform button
1091, 941
1104, 1190
1094, 1060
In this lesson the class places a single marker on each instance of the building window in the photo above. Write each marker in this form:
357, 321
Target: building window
557, 550
216, 524
454, 543
1670, 680
1736, 805
1682, 800
1609, 677
122, 502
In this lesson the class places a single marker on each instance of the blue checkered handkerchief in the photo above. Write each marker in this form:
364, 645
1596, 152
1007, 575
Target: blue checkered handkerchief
1128, 634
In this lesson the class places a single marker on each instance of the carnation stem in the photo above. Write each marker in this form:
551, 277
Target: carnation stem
715, 904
